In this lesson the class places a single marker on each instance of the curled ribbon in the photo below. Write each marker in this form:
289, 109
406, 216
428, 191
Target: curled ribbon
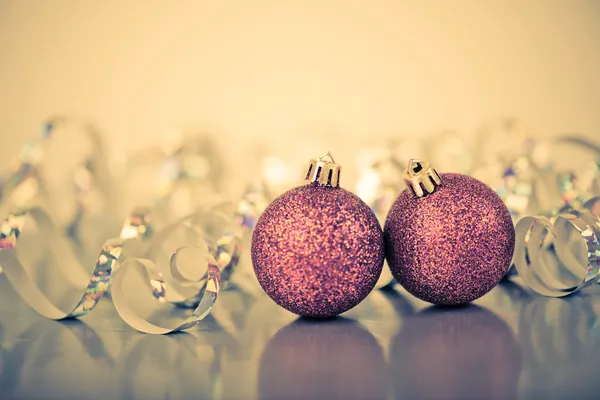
19, 266
167, 279
186, 264
560, 255
156, 284
34, 252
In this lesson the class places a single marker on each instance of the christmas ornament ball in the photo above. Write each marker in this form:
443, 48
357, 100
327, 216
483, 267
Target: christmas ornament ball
317, 250
449, 238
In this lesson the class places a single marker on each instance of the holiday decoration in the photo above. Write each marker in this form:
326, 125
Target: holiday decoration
45, 241
558, 255
52, 215
318, 250
209, 284
68, 292
449, 238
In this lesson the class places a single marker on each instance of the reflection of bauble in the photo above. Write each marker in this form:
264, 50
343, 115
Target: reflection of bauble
465, 353
332, 359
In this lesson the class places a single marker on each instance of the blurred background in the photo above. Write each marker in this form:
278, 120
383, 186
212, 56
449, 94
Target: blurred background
280, 70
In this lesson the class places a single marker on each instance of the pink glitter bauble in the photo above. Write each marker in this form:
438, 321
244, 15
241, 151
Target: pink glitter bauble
317, 250
451, 246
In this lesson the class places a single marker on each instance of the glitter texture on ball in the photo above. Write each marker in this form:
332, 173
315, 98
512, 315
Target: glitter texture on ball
317, 250
453, 244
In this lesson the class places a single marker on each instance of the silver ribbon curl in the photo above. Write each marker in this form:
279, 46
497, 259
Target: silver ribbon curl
26, 187
207, 238
189, 365
559, 255
187, 170
17, 264
170, 249
205, 288
156, 284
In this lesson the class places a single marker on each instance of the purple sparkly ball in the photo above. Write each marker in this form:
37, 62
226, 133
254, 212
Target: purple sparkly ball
452, 246
317, 251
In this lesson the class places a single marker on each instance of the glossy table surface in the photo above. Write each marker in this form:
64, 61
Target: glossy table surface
509, 344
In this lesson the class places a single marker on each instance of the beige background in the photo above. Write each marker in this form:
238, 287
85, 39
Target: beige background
282, 69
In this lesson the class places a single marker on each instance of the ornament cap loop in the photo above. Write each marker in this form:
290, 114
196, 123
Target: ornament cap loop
324, 170
421, 178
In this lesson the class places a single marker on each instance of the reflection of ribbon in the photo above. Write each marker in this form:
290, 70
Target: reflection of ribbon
15, 229
39, 347
560, 255
462, 353
566, 337
187, 368
560, 343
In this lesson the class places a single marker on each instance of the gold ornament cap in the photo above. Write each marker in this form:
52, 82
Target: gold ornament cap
421, 178
324, 170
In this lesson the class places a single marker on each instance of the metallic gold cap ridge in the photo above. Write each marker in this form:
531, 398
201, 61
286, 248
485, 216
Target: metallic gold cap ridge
421, 178
325, 172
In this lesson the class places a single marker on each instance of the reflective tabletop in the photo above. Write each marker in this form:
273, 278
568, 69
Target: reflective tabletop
509, 344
